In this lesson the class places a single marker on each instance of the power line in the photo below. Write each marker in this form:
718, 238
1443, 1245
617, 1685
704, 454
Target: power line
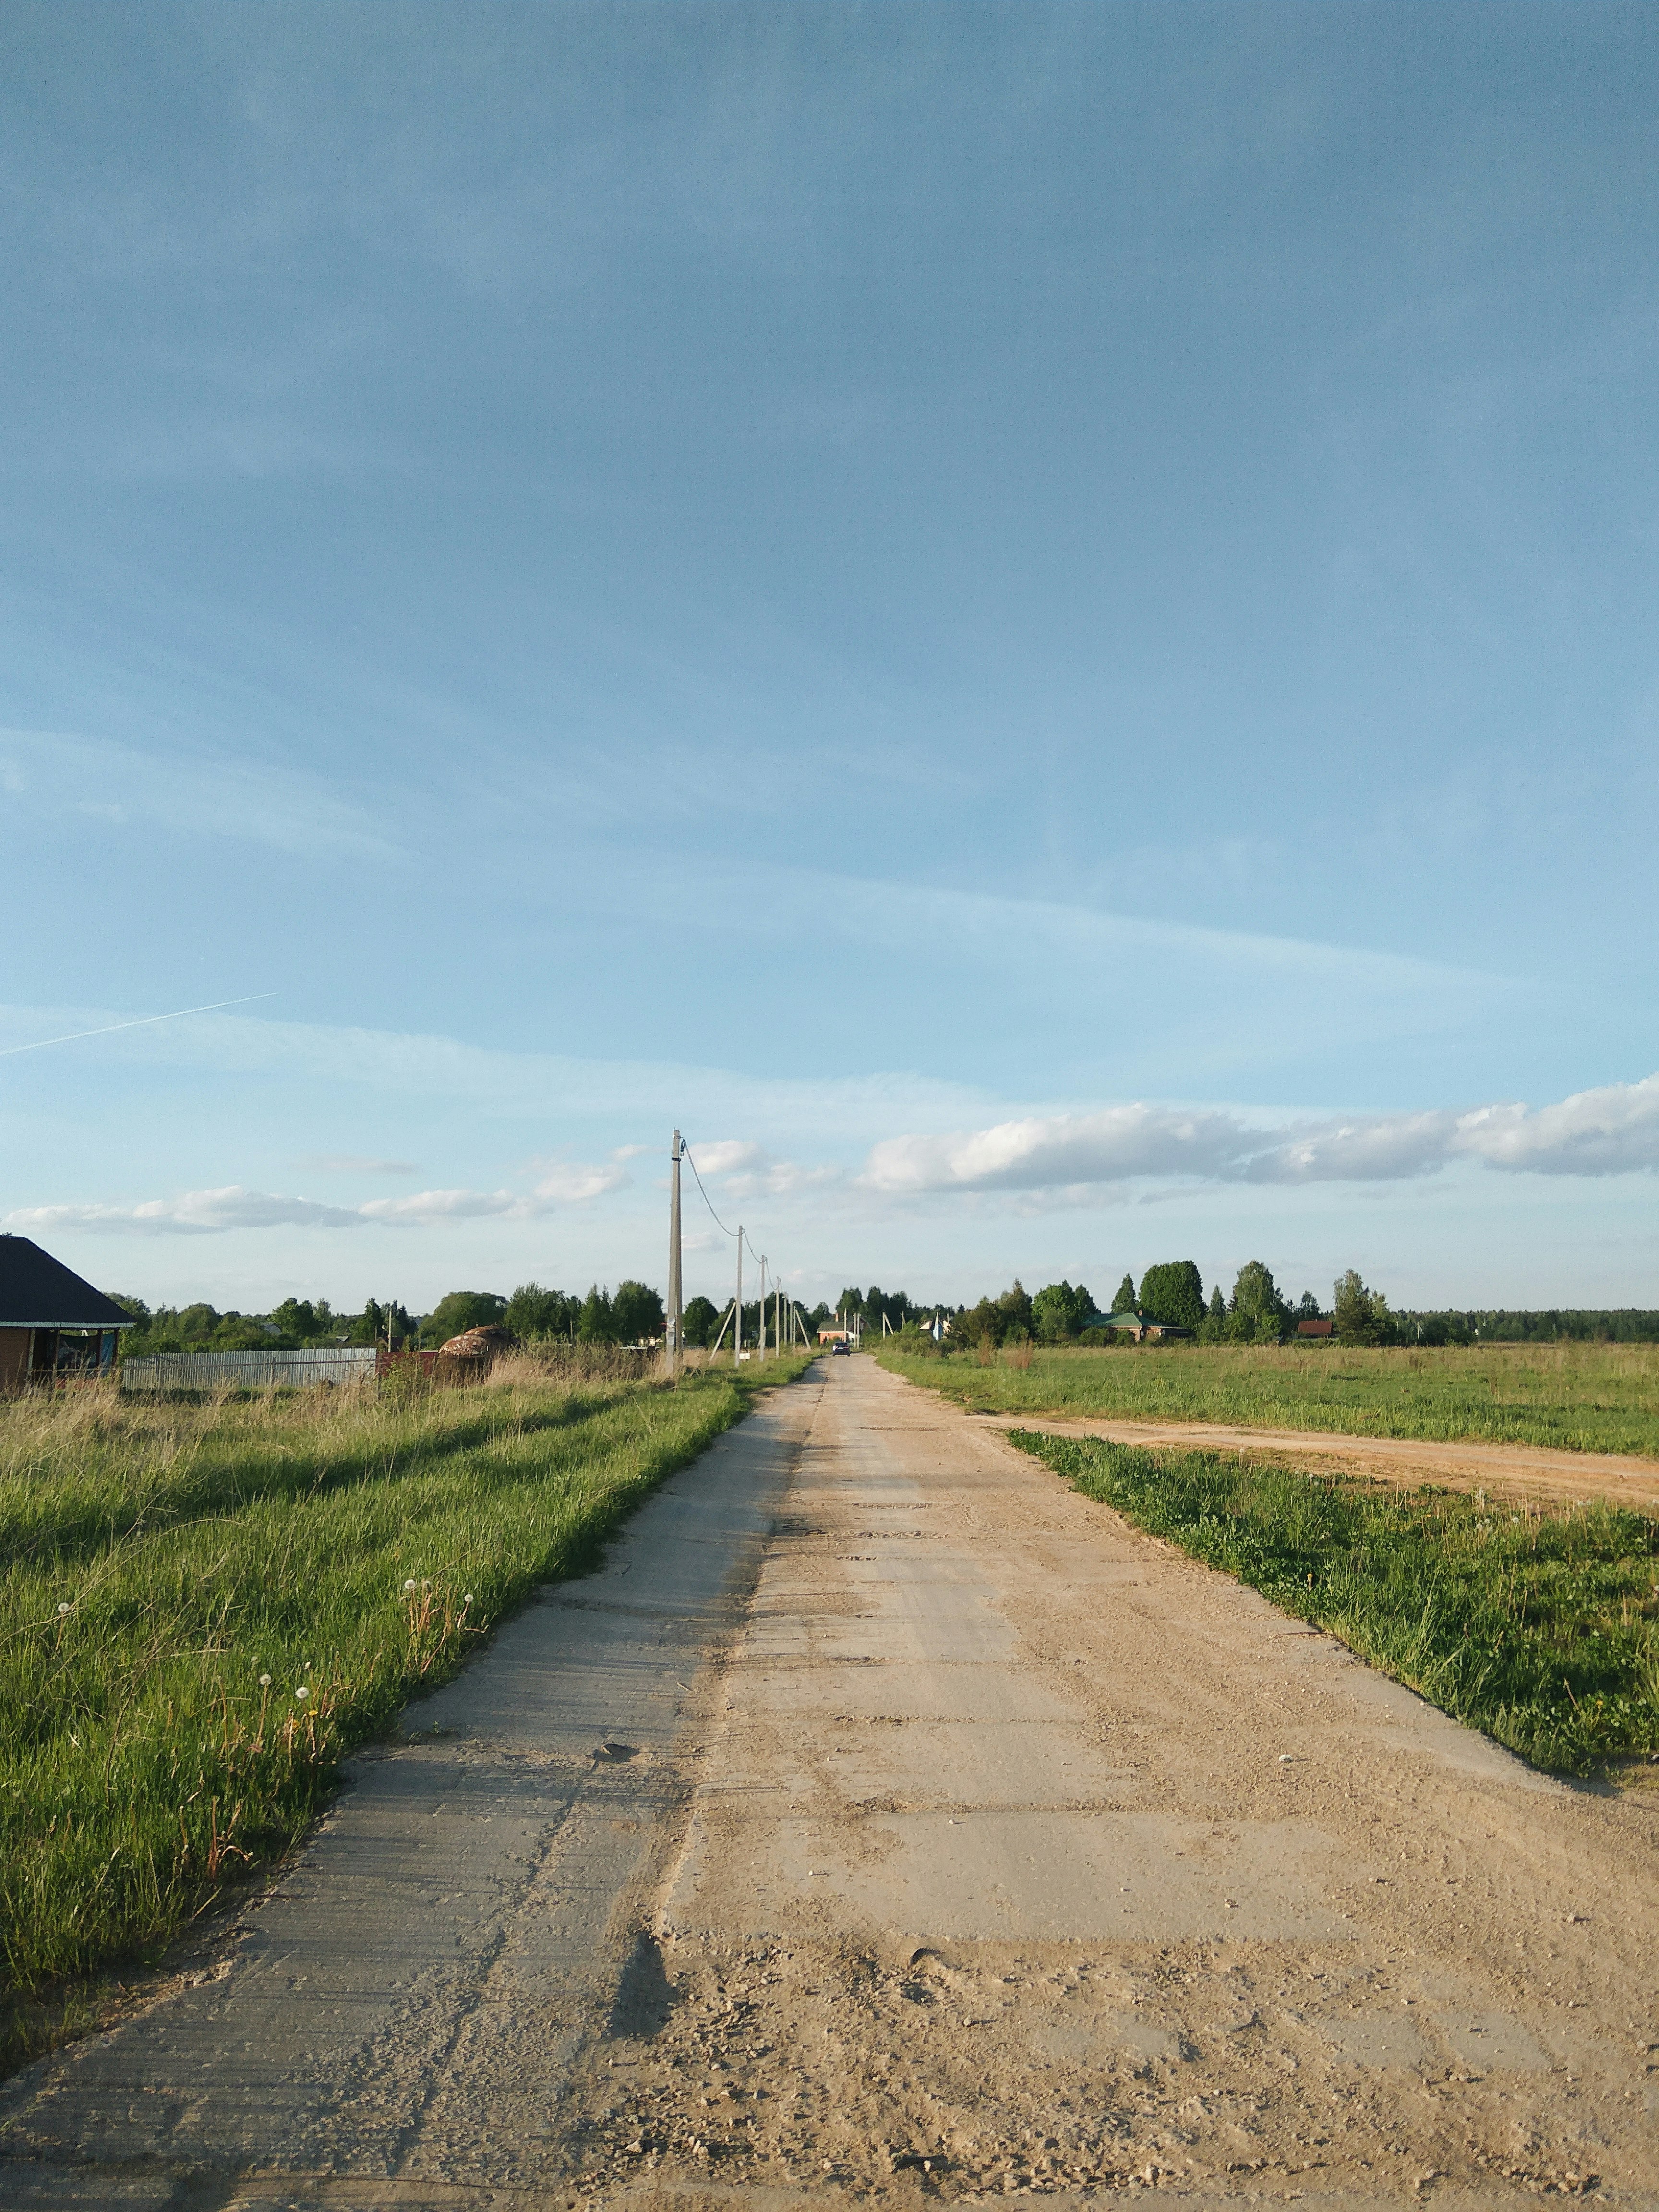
686, 1150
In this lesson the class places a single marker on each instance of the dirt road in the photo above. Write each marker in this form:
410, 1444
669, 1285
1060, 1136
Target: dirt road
888, 1821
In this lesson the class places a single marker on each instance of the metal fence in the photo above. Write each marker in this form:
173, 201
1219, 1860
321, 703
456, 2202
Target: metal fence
247, 1370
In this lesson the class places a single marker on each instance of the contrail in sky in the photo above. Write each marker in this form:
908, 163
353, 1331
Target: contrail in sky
142, 1022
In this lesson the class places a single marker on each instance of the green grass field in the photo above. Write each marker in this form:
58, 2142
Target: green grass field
1580, 1397
1540, 1627
204, 1606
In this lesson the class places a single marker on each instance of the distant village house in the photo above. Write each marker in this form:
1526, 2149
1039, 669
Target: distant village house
52, 1322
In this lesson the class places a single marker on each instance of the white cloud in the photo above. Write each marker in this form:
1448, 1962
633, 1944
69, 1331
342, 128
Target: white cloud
575, 1182
744, 1169
1381, 1148
205, 1213
1613, 1130
1039, 1151
727, 1155
198, 1213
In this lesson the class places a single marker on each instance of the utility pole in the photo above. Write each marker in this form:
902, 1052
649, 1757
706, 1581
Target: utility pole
736, 1341
670, 1349
762, 1309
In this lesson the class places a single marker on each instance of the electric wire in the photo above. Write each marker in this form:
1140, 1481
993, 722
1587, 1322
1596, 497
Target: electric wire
741, 1231
685, 1154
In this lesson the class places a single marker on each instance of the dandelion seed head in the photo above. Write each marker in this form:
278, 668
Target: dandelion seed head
410, 1584
265, 1681
303, 1694
62, 1610
467, 1600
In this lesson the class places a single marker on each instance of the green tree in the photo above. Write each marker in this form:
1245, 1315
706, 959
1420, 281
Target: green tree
636, 1312
980, 1324
1307, 1307
700, 1320
1124, 1301
295, 1320
1362, 1316
537, 1314
239, 1332
597, 1322
459, 1310
1173, 1291
1060, 1312
376, 1322
1212, 1330
1256, 1314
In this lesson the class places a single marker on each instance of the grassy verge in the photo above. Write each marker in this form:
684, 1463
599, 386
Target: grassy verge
203, 1606
1578, 1397
1540, 1627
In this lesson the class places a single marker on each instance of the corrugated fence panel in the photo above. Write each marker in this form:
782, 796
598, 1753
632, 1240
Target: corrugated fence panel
247, 1370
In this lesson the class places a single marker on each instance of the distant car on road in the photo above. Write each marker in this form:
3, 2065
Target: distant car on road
841, 1349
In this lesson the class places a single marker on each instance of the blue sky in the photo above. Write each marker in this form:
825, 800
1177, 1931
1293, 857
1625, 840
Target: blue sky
1035, 621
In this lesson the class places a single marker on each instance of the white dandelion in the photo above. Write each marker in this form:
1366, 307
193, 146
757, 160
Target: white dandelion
265, 1681
62, 1610
303, 1694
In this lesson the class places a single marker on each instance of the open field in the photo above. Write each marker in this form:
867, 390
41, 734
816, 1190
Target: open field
1540, 1627
1575, 1397
203, 1606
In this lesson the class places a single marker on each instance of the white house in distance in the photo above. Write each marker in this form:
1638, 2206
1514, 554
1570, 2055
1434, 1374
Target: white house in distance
52, 1321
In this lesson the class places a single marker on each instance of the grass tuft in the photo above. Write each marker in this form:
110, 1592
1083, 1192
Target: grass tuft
1541, 1627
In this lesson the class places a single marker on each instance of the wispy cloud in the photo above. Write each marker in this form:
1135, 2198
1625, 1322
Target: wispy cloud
208, 1212
352, 1164
423, 1207
1612, 1130
60, 777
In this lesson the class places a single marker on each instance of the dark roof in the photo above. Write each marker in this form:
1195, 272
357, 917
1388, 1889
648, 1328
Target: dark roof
37, 1291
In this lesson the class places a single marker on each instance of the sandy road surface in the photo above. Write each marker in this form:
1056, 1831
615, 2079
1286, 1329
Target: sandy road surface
886, 1821
1534, 1472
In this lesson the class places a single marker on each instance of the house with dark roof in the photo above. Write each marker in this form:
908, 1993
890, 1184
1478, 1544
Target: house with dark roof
52, 1321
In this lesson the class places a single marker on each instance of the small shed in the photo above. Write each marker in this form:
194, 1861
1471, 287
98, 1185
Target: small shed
52, 1321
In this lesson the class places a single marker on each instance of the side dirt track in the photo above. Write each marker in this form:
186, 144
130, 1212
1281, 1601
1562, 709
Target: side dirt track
886, 1822
1531, 1472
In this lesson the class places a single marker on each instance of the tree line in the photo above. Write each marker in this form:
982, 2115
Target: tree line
631, 1314
1170, 1294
